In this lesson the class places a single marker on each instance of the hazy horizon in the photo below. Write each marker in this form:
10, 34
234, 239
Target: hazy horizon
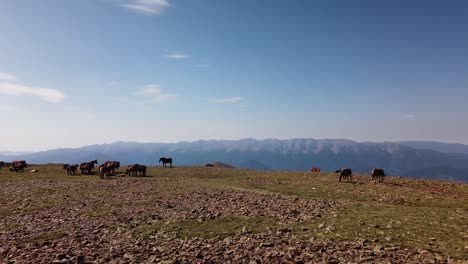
77, 73
7, 152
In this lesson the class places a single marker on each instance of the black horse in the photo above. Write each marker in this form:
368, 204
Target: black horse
165, 161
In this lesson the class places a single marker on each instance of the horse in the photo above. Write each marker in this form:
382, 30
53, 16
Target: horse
165, 161
71, 169
132, 170
346, 174
377, 175
87, 167
209, 165
315, 169
18, 166
142, 170
107, 169
104, 171
112, 165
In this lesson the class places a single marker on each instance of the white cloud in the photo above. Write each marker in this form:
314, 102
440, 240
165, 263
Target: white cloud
154, 92
226, 100
45, 94
410, 116
7, 77
176, 55
149, 7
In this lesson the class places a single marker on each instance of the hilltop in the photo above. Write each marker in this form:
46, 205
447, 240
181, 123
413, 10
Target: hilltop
200, 214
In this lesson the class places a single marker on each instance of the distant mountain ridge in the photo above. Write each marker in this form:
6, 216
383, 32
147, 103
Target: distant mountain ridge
437, 146
407, 159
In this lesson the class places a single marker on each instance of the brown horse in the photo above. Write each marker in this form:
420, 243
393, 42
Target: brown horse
135, 170
87, 167
165, 161
104, 171
18, 166
346, 174
71, 169
132, 170
111, 166
377, 175
315, 169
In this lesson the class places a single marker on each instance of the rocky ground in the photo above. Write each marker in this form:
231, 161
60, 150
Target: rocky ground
176, 220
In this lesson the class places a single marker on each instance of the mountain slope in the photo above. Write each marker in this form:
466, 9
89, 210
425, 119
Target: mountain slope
437, 146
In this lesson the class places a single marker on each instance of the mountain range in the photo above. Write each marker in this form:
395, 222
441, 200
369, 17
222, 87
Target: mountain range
432, 160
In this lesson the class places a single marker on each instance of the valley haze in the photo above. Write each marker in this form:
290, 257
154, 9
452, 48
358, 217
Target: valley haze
417, 159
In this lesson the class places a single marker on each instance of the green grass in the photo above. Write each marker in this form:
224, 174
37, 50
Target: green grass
101, 210
439, 230
46, 236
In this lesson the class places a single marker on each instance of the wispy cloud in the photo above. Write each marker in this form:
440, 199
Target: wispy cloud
176, 55
156, 94
226, 100
410, 116
46, 94
148, 7
7, 77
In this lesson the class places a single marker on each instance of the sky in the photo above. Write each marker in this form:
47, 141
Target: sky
75, 73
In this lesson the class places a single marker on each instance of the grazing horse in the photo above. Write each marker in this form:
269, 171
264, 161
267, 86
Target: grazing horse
71, 169
378, 175
18, 166
346, 174
315, 169
165, 161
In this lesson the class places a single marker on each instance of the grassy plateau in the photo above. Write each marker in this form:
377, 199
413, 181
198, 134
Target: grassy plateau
211, 215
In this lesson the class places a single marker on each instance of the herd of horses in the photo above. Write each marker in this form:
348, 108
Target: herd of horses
346, 174
105, 170
16, 166
108, 169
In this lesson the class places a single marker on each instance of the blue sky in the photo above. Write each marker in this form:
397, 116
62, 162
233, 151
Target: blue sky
74, 73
